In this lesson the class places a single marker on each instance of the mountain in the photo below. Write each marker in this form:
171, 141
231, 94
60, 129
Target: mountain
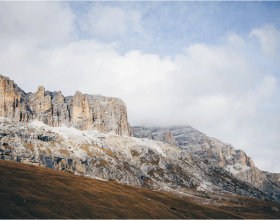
28, 191
83, 112
89, 135
217, 153
197, 143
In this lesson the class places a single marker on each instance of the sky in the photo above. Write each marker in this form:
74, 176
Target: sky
211, 65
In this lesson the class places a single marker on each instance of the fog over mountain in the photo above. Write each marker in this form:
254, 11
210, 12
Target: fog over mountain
210, 65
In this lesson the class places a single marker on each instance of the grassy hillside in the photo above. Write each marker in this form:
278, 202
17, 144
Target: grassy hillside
28, 191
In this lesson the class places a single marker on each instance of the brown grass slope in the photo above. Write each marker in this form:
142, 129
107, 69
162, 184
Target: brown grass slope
28, 191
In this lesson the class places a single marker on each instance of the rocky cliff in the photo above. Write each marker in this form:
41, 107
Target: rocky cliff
218, 154
157, 134
195, 142
83, 112
89, 135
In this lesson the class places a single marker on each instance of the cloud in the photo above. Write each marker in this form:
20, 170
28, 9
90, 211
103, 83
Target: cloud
35, 22
269, 38
235, 40
108, 21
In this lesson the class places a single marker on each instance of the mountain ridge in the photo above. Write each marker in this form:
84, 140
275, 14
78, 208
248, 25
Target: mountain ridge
89, 135
83, 112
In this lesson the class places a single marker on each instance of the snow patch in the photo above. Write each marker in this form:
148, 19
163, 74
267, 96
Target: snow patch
65, 130
205, 186
229, 157
4, 119
237, 168
151, 144
94, 177
39, 124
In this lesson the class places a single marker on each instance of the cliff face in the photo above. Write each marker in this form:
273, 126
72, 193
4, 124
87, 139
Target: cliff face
84, 112
12, 103
214, 152
157, 134
80, 113
195, 142
191, 160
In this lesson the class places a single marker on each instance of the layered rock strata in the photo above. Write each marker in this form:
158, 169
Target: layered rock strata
83, 112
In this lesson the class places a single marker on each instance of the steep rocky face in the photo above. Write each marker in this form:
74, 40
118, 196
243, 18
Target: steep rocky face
61, 115
42, 106
10, 98
157, 134
133, 161
83, 112
200, 165
109, 115
195, 142
265, 181
80, 113
217, 153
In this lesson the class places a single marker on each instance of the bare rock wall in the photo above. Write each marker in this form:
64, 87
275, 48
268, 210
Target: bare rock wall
84, 112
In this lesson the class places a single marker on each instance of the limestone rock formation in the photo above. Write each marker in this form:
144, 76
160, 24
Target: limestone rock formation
219, 154
90, 135
11, 100
157, 134
109, 114
195, 142
83, 112
80, 113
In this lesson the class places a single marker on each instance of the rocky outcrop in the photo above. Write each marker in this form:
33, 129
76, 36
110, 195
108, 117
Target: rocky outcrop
264, 181
243, 159
195, 142
219, 154
80, 113
157, 134
109, 114
83, 112
12, 102
47, 129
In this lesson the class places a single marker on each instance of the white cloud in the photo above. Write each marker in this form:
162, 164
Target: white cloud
35, 22
269, 38
235, 39
110, 21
